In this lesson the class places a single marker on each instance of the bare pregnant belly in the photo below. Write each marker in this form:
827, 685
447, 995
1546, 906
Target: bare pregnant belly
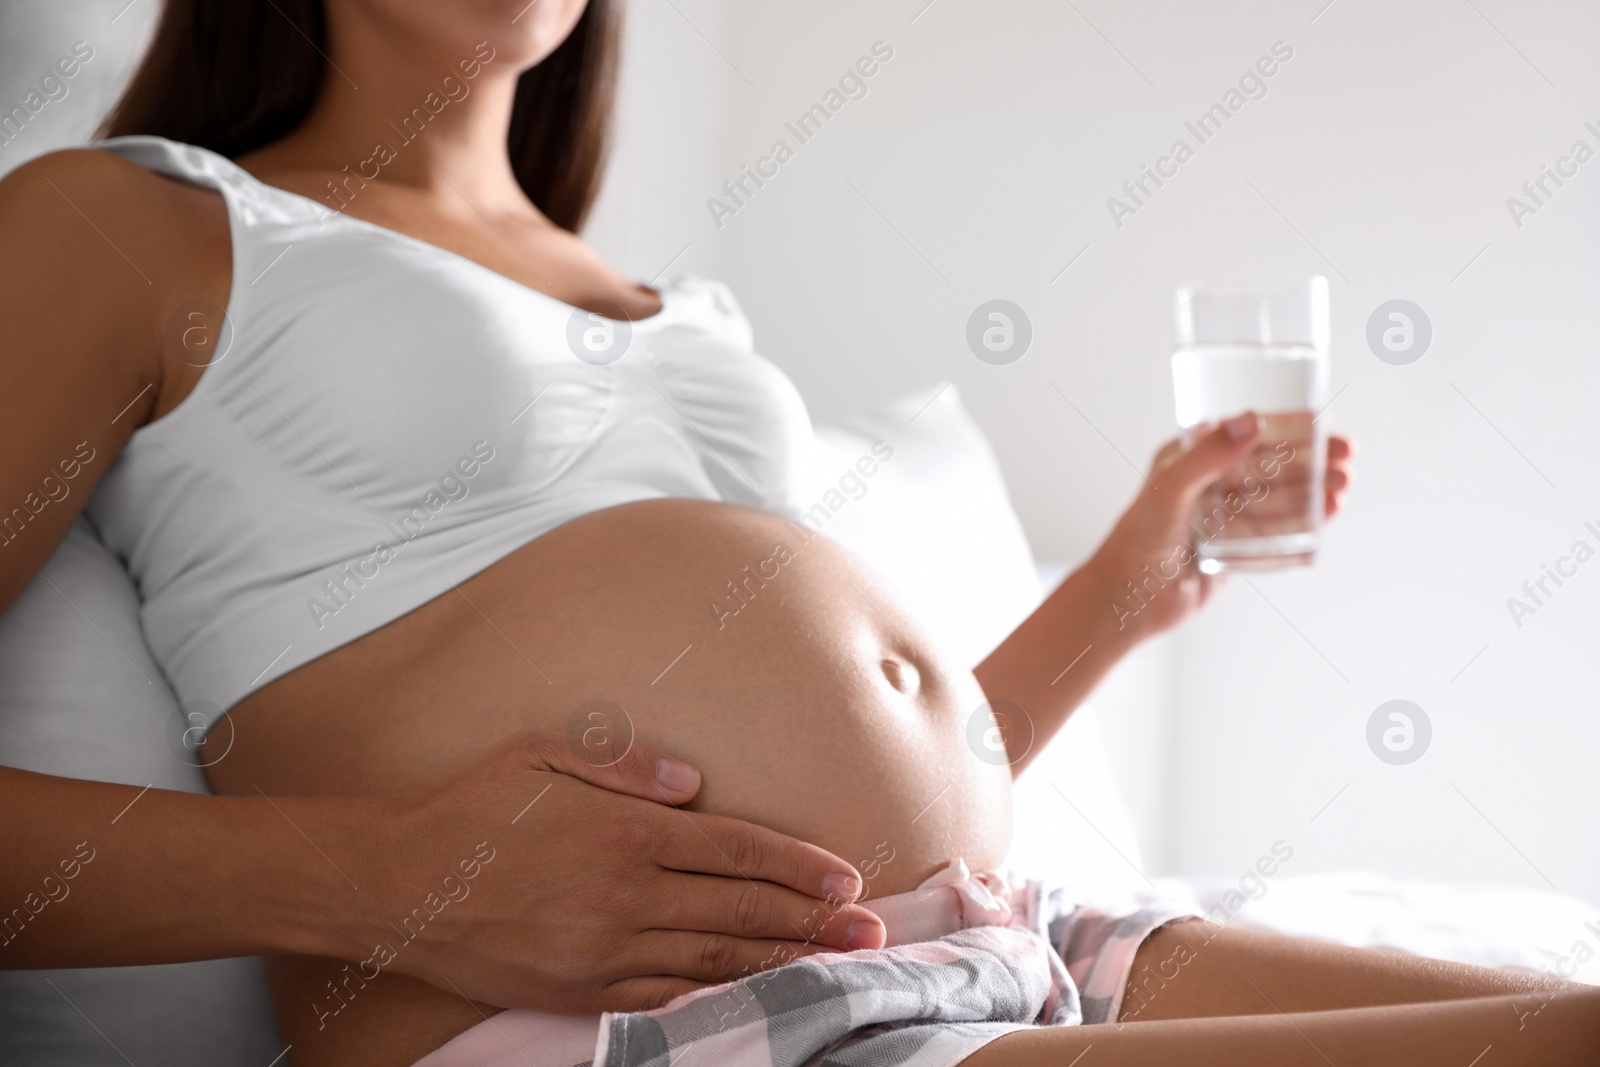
780, 667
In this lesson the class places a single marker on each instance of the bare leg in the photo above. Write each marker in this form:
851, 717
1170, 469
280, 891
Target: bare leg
1203, 995
1499, 1031
1197, 969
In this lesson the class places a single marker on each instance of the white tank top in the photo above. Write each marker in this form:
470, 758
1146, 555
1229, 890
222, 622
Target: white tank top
389, 418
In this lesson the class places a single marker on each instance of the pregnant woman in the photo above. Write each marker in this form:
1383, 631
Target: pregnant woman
429, 511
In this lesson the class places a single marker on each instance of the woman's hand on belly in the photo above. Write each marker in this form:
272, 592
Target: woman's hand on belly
821, 711
539, 880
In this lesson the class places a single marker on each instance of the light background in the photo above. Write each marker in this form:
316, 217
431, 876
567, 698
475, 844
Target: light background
979, 165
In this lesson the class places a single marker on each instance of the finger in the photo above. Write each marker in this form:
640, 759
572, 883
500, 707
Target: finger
1340, 448
745, 908
1337, 483
1167, 453
1215, 452
603, 752
646, 993
716, 844
702, 957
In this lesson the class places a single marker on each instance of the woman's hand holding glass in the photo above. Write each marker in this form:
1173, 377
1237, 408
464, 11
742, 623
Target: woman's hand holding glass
1147, 562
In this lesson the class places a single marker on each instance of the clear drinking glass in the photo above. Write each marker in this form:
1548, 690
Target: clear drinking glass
1262, 347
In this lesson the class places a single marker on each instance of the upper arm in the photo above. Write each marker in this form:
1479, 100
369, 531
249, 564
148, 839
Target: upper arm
91, 254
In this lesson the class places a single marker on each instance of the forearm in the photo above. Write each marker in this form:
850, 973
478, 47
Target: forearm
1142, 580
100, 875
1055, 659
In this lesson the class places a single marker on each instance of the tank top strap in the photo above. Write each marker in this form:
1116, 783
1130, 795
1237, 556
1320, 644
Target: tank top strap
264, 222
251, 202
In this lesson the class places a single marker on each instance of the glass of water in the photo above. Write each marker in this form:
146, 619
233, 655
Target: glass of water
1262, 347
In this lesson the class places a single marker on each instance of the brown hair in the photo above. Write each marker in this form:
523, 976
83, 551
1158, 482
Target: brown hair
234, 75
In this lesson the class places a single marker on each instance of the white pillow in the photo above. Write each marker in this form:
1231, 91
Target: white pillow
934, 518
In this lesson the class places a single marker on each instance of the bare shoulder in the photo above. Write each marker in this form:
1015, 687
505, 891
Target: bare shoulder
89, 178
110, 221
96, 256
99, 187
111, 248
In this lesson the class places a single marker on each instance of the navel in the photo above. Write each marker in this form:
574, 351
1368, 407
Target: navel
902, 675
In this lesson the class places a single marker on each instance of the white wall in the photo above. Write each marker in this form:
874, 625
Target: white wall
1387, 147
34, 35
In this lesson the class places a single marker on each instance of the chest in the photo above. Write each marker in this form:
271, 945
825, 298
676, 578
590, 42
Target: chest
372, 369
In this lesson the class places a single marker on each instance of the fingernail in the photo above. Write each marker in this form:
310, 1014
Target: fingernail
1240, 426
677, 776
844, 887
862, 934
